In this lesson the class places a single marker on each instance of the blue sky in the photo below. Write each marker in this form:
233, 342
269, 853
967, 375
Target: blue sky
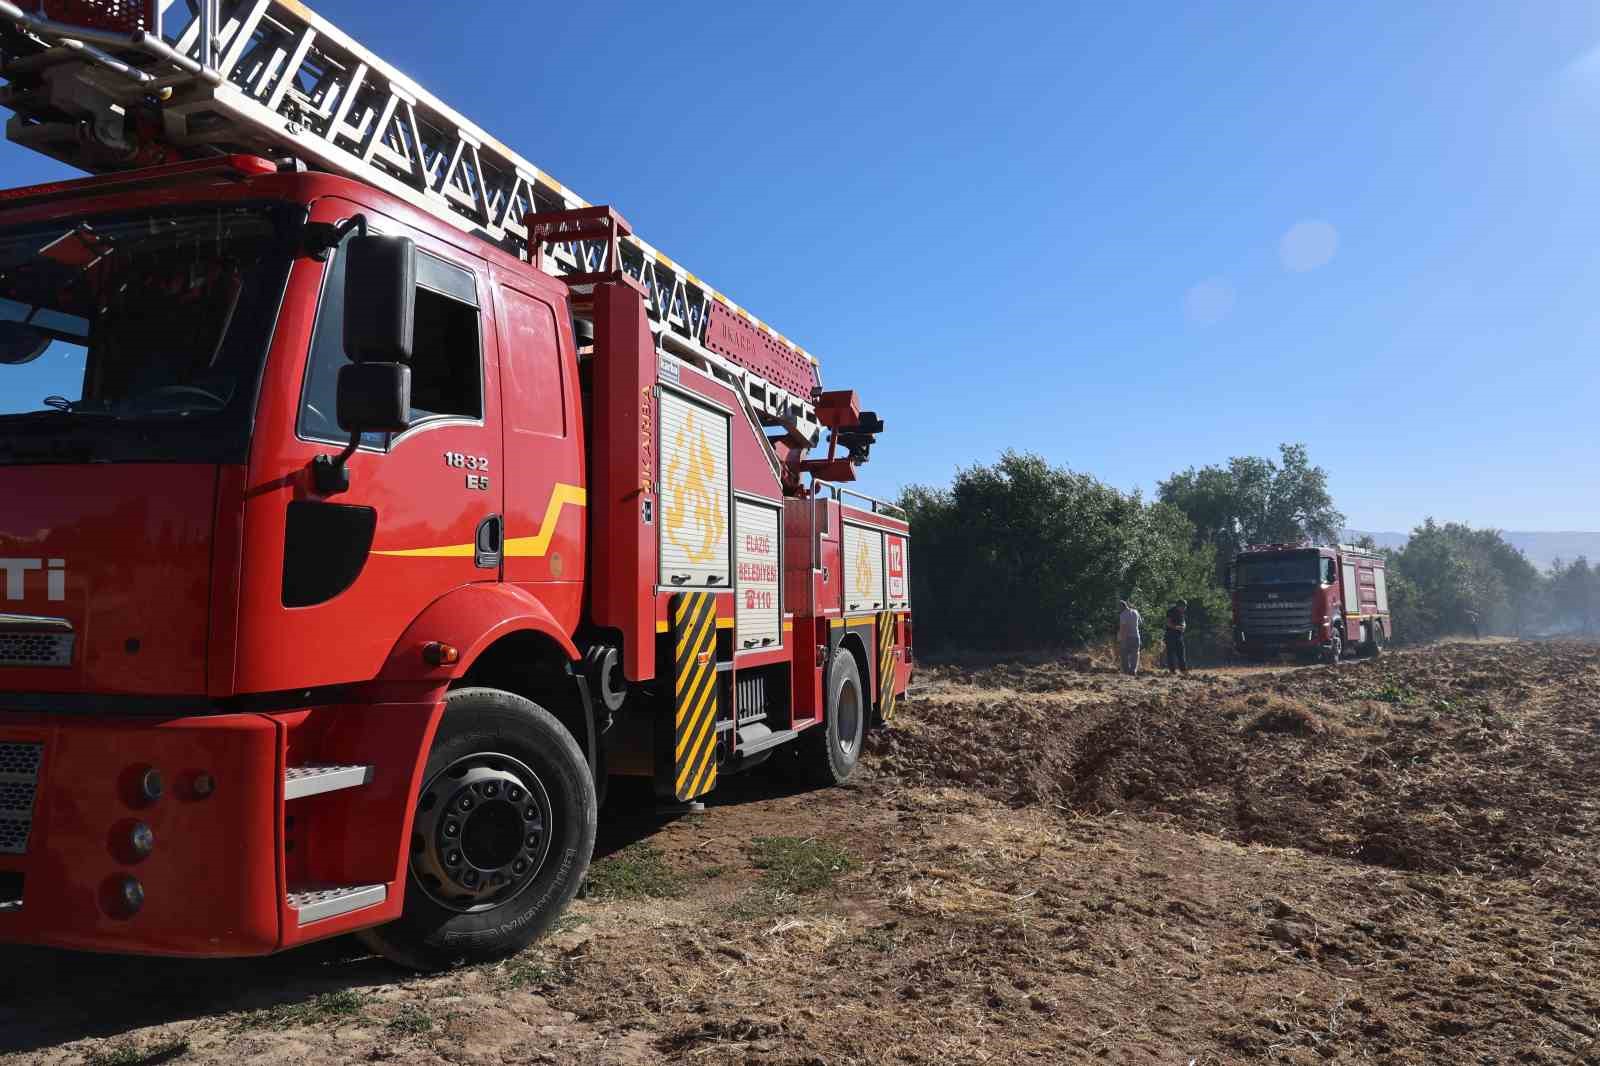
1128, 237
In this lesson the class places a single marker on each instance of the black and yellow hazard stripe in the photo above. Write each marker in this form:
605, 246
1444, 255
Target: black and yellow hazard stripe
887, 674
694, 640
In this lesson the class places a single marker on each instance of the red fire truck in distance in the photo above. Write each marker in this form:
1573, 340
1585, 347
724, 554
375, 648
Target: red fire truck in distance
1309, 601
346, 554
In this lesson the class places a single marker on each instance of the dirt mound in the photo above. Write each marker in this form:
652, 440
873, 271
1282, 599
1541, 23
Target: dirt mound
1456, 758
1150, 755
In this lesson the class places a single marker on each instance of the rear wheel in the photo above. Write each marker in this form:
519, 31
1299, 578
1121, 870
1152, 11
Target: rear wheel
1377, 641
827, 754
502, 837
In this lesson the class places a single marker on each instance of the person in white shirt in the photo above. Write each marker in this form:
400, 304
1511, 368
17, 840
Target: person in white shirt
1128, 640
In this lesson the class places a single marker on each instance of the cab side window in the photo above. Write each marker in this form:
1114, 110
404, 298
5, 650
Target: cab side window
447, 356
1327, 572
446, 361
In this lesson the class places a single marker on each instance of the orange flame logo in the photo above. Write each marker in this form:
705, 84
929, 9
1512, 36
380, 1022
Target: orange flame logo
863, 560
692, 512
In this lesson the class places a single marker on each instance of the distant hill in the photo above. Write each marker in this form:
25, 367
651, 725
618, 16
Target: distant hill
1541, 548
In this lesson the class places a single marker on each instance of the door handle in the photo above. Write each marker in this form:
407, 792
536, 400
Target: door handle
489, 543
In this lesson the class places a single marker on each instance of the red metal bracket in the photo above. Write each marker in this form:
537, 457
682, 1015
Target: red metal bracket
829, 469
583, 224
839, 409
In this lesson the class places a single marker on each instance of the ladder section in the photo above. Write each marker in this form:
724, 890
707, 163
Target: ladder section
273, 78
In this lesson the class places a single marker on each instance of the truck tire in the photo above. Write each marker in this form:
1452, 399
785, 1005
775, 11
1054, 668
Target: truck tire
827, 754
508, 782
1375, 645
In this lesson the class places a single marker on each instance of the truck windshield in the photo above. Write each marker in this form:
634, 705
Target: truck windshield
156, 321
1289, 569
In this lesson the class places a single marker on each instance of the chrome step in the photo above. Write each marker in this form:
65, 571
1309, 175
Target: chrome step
302, 781
755, 738
330, 901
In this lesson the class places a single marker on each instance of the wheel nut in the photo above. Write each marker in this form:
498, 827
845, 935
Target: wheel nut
514, 794
141, 840
130, 896
466, 803
491, 790
453, 859
470, 878
533, 840
452, 828
520, 866
531, 813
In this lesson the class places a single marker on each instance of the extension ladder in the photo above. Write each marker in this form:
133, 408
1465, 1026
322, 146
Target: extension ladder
113, 84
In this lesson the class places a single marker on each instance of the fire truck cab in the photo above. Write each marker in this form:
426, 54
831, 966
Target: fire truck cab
346, 556
1308, 600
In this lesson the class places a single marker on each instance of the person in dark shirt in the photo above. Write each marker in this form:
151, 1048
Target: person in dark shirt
1177, 623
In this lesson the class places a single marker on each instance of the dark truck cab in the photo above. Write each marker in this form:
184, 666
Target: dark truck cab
1309, 600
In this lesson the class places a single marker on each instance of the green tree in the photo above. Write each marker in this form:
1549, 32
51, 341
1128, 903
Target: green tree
1255, 501
1574, 596
1452, 571
1023, 554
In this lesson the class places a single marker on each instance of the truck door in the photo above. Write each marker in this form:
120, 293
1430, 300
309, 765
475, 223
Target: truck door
423, 511
543, 472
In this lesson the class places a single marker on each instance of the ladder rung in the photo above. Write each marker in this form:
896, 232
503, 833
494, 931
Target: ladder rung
302, 781
318, 902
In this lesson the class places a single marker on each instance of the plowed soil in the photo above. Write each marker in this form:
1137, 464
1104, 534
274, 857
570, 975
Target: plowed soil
1391, 861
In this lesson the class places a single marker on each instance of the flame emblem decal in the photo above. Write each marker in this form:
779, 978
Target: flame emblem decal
863, 561
693, 511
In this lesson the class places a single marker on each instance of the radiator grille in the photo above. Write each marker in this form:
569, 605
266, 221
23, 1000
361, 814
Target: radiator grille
1277, 618
36, 649
19, 779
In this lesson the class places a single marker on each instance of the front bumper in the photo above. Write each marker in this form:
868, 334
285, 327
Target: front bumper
1314, 639
228, 863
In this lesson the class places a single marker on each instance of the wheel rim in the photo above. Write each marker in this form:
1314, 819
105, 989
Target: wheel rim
482, 832
848, 714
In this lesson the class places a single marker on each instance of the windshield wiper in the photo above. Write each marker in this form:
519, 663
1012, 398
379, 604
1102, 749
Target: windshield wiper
61, 412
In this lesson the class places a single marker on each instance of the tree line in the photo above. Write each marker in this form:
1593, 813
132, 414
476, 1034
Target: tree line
1023, 554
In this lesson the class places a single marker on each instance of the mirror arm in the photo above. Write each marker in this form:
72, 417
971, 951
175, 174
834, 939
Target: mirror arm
329, 472
323, 237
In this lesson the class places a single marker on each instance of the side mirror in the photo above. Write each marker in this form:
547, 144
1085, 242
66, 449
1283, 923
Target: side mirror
380, 308
380, 298
374, 397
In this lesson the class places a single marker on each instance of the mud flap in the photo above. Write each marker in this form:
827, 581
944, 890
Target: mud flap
888, 674
693, 765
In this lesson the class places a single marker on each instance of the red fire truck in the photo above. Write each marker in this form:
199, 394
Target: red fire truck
1309, 601
371, 501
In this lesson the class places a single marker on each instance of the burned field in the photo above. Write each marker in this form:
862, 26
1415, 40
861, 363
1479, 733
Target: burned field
1390, 861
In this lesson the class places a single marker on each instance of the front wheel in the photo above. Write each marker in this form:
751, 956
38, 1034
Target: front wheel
503, 833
